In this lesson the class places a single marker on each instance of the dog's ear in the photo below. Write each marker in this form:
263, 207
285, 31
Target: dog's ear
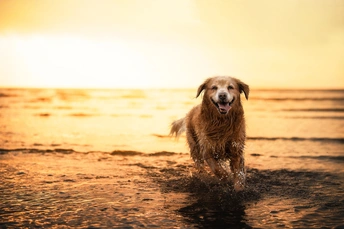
243, 88
202, 87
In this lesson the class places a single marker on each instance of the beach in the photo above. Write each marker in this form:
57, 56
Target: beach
103, 159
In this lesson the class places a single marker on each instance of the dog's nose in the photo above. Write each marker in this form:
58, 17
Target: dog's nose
222, 96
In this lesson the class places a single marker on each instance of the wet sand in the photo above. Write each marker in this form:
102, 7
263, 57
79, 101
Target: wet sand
129, 189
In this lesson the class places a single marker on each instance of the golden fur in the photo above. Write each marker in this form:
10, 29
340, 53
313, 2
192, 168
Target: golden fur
215, 129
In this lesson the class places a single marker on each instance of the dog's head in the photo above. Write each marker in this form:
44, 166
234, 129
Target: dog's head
223, 92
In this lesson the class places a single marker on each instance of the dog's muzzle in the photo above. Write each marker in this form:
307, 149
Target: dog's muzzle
223, 105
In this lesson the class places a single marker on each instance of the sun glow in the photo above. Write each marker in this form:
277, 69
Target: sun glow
71, 62
152, 43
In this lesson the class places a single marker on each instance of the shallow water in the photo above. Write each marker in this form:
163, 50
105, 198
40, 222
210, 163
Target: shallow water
102, 158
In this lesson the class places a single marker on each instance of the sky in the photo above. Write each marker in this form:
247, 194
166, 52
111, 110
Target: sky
171, 44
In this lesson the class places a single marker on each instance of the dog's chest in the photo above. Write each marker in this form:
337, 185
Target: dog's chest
217, 141
220, 141
217, 133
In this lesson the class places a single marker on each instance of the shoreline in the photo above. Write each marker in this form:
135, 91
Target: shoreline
98, 190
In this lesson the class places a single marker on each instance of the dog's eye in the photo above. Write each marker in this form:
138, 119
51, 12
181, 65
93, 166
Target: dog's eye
214, 88
230, 87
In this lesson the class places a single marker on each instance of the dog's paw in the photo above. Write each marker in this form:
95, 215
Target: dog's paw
238, 187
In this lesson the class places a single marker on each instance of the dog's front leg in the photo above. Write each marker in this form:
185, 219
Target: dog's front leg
215, 167
238, 169
194, 149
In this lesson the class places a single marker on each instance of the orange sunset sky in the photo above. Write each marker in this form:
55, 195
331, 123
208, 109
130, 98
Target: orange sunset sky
171, 43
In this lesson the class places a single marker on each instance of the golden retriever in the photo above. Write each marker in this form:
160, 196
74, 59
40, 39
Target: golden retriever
215, 129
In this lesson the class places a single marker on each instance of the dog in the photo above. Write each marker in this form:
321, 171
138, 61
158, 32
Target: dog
215, 129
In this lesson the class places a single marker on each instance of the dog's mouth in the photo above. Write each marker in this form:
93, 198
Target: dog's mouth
223, 107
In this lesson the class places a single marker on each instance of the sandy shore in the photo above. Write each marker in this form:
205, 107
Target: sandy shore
55, 189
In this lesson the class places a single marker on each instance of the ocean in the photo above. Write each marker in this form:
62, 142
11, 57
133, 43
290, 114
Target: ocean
107, 151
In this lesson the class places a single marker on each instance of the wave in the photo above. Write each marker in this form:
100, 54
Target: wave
340, 99
297, 90
137, 153
313, 117
317, 110
71, 115
133, 96
126, 153
82, 115
63, 107
41, 99
333, 140
7, 95
338, 159
43, 114
40, 151
321, 157
70, 151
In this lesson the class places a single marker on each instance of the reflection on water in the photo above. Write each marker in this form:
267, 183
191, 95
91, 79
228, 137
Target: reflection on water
102, 158
57, 188
106, 117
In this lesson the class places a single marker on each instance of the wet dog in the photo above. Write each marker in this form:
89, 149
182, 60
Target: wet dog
215, 129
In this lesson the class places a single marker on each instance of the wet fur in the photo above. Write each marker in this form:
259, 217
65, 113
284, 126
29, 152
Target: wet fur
214, 137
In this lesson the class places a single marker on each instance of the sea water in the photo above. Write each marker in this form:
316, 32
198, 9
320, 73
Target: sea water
294, 151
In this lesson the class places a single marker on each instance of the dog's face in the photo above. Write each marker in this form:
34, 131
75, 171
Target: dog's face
223, 92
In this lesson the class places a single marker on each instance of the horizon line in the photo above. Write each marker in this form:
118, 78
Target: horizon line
169, 88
